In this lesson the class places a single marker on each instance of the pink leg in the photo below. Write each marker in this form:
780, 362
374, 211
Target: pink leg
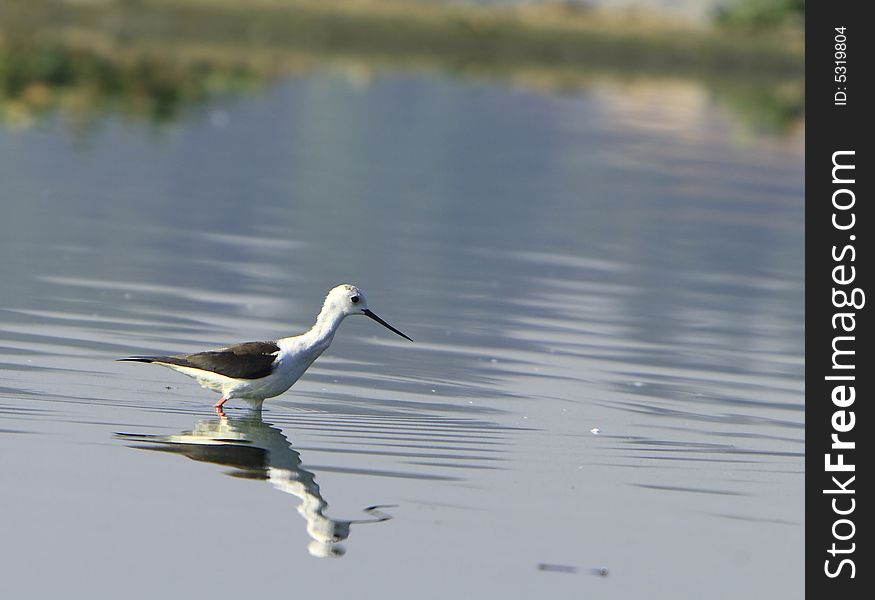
218, 406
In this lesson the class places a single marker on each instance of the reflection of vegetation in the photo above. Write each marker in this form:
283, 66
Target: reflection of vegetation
773, 109
87, 57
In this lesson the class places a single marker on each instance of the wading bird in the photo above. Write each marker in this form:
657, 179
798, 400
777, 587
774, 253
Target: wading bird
254, 371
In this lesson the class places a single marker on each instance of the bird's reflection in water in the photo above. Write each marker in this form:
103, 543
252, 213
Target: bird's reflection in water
258, 450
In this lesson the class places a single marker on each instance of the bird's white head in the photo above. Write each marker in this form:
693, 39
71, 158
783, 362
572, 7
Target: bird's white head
348, 300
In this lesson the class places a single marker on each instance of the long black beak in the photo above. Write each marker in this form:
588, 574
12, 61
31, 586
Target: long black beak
369, 313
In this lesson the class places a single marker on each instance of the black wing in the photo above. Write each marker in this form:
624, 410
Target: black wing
250, 360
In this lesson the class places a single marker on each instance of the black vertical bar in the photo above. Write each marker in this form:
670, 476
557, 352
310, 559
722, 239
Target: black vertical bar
839, 226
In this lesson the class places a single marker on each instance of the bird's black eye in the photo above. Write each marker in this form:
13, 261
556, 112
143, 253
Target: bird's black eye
354, 299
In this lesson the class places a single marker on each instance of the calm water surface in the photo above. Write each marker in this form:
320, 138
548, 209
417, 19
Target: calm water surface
604, 398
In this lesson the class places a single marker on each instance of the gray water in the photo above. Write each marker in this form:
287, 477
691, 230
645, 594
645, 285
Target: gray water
604, 398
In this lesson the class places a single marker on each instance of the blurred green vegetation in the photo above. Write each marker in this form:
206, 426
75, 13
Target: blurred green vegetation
762, 15
37, 78
154, 58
